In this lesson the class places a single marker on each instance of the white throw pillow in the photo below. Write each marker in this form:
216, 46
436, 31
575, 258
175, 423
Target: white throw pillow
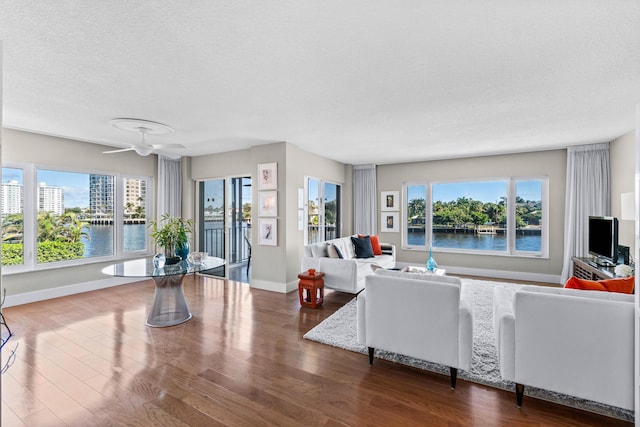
331, 251
319, 250
345, 248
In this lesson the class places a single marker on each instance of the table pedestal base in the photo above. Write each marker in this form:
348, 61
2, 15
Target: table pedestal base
169, 306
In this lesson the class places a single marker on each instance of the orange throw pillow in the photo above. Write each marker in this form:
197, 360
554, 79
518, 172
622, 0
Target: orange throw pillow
585, 285
623, 285
375, 244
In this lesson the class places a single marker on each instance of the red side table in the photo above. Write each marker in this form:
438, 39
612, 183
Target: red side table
312, 282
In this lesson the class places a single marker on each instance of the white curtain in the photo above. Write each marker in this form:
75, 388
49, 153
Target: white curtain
169, 187
364, 199
588, 193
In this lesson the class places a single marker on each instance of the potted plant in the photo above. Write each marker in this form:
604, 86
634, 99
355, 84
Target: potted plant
171, 234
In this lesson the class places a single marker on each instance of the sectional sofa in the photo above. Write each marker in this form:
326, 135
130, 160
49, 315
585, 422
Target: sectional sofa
343, 270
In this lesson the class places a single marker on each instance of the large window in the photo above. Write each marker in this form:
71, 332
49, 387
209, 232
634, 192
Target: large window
65, 216
503, 216
323, 209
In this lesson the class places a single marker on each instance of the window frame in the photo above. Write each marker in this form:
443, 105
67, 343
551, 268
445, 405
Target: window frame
511, 250
30, 222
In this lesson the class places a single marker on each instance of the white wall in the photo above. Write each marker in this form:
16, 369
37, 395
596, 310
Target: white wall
543, 163
48, 151
276, 267
622, 181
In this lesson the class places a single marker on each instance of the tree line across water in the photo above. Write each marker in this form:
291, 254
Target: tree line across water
465, 212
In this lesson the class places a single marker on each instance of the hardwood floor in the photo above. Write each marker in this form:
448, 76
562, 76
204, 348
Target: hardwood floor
89, 359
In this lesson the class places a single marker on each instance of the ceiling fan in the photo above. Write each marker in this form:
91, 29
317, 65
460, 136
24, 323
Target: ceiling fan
144, 128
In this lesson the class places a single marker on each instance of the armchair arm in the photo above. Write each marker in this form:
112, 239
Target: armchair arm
361, 301
388, 249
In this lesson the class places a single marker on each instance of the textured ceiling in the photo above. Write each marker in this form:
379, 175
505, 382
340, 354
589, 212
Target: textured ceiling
357, 81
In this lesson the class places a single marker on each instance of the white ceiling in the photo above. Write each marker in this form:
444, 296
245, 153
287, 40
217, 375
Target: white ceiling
357, 81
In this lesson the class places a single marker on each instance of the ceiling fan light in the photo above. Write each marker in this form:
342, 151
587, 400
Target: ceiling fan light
142, 150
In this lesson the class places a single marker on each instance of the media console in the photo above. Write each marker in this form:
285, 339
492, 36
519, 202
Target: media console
586, 268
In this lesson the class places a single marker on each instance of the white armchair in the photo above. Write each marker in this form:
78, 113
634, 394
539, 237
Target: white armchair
574, 342
422, 316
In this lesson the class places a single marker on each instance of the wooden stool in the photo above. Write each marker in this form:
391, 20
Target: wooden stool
311, 281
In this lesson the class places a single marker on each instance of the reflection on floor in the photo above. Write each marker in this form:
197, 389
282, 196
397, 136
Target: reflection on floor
238, 272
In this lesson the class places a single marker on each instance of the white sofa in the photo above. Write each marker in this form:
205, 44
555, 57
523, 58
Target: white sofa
424, 316
345, 274
569, 341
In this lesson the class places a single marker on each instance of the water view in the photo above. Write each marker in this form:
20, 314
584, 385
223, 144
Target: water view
485, 242
100, 241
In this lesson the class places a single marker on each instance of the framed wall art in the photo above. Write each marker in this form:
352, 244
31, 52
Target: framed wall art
390, 222
268, 231
389, 200
268, 203
268, 176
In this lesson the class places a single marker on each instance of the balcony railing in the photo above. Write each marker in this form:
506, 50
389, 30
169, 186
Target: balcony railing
214, 242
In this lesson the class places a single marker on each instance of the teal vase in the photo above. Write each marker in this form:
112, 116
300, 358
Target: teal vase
432, 265
182, 250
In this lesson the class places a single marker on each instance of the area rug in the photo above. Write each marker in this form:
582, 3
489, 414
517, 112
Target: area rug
340, 330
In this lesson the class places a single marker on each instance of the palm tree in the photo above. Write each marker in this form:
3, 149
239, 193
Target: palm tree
70, 228
12, 228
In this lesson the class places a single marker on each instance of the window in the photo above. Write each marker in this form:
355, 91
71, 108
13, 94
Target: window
12, 216
75, 215
477, 216
60, 216
323, 209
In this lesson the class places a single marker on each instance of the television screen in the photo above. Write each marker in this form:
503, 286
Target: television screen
603, 239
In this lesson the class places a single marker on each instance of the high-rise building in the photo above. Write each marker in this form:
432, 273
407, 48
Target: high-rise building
50, 199
12, 196
101, 193
135, 192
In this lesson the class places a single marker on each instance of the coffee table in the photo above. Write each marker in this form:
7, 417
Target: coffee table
169, 306
423, 270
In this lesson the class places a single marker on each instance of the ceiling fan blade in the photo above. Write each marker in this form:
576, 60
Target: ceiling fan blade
118, 151
161, 146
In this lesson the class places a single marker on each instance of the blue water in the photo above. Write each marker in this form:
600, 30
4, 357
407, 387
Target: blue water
100, 242
485, 242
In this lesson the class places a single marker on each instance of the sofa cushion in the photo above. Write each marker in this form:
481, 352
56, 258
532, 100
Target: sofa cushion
622, 285
362, 246
375, 244
430, 277
319, 250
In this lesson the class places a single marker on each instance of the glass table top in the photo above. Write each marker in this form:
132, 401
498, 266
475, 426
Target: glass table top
143, 267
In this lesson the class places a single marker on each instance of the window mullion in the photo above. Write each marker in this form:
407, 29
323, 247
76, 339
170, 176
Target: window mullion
511, 216
29, 216
118, 215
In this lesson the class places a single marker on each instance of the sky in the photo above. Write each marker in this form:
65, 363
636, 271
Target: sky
484, 191
75, 185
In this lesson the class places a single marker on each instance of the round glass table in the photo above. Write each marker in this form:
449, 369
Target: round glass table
169, 306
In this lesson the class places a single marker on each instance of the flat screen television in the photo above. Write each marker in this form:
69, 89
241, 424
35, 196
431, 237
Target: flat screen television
603, 239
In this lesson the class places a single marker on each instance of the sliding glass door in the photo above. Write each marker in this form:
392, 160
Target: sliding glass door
224, 225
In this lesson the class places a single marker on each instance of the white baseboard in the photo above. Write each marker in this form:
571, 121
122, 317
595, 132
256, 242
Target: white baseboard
63, 291
498, 274
272, 286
